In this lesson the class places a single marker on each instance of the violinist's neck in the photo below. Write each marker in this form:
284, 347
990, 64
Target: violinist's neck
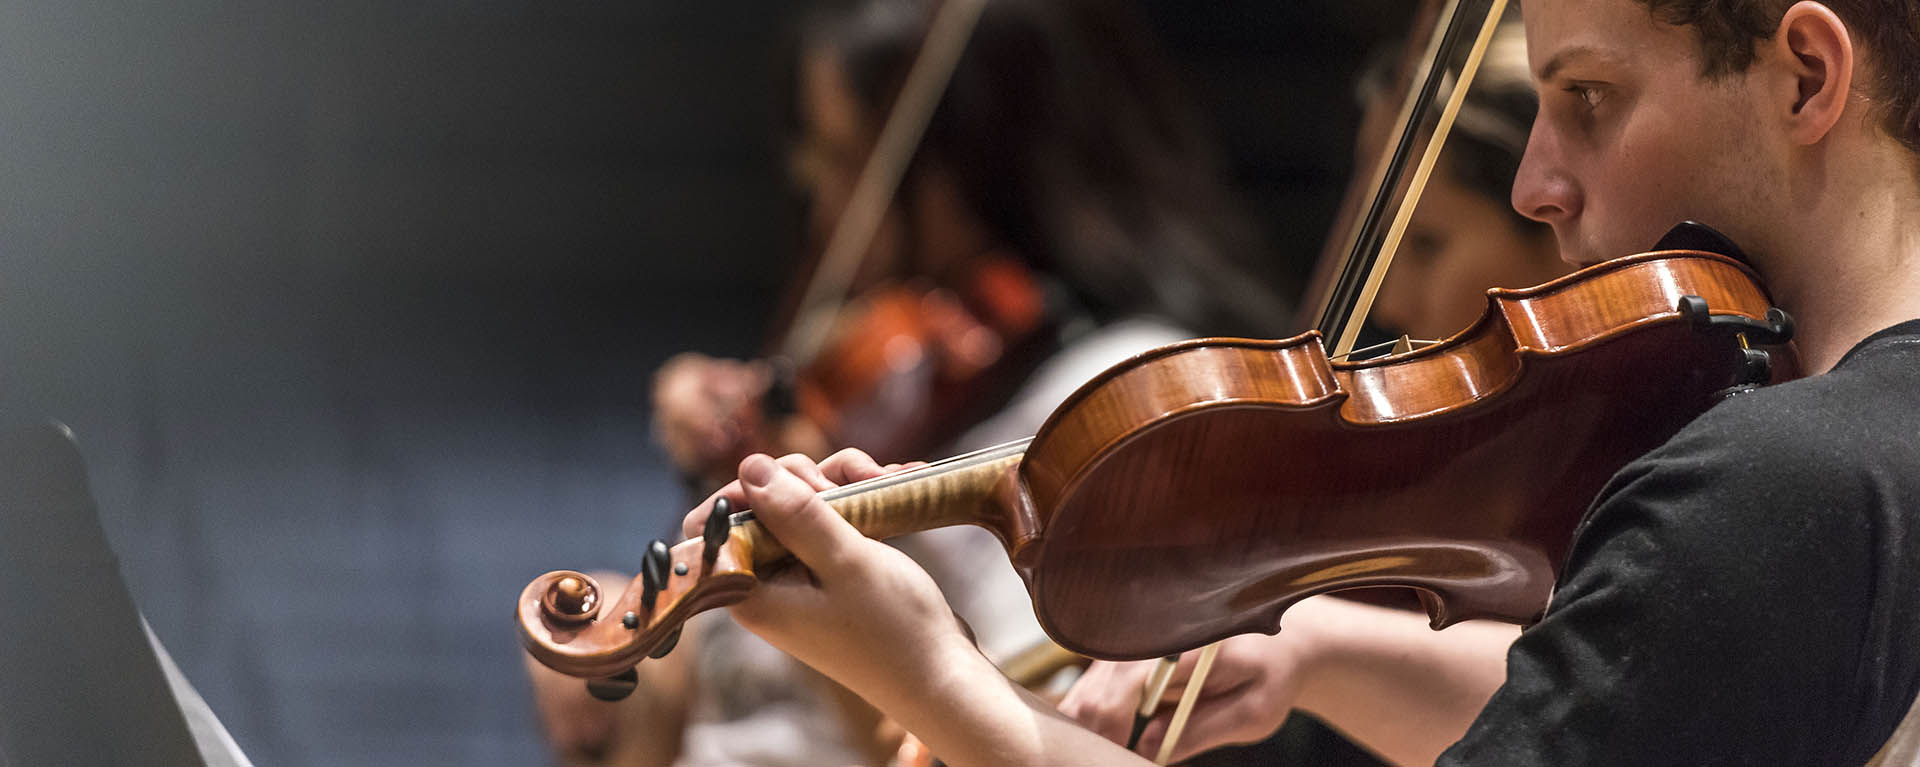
1855, 262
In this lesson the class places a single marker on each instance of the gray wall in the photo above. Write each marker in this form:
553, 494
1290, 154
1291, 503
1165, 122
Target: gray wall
352, 305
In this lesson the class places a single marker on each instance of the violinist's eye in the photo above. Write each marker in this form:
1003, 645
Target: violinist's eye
1588, 94
1423, 247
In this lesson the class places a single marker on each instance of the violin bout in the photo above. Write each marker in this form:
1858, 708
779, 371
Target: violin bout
1194, 492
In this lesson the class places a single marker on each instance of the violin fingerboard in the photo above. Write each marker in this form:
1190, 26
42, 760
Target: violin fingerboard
943, 495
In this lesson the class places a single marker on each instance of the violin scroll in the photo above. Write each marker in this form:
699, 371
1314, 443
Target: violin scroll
568, 623
571, 600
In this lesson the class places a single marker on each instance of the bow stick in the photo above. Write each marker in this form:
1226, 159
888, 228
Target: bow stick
880, 178
1361, 277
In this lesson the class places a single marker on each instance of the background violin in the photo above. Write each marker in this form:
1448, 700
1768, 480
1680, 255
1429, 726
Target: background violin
906, 365
910, 364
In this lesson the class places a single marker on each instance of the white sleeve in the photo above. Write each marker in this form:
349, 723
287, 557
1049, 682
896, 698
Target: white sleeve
969, 563
1063, 373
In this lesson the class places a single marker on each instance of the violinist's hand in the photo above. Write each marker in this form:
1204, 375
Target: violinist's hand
1246, 696
1380, 675
860, 611
704, 408
864, 614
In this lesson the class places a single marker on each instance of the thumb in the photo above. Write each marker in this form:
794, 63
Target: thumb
792, 511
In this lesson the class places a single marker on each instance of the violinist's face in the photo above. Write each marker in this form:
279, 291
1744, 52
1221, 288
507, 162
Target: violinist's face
1459, 243
835, 140
1631, 139
838, 135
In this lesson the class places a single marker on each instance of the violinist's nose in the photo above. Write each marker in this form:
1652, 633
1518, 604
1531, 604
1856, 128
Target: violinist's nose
1543, 190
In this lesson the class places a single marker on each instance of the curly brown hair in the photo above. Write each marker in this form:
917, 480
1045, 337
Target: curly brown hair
1728, 30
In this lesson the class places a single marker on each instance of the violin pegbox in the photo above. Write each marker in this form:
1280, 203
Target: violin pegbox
570, 624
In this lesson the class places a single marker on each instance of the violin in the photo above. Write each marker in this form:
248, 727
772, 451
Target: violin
906, 366
910, 364
901, 367
1195, 491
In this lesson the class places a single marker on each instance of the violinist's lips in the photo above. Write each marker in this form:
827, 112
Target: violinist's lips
1581, 258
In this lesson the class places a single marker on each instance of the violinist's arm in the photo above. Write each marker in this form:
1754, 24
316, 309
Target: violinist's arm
867, 616
1378, 674
1397, 686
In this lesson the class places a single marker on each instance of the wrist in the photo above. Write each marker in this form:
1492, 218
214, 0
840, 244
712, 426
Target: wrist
1311, 631
945, 671
960, 705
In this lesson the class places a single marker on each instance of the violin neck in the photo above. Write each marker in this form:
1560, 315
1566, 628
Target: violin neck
978, 488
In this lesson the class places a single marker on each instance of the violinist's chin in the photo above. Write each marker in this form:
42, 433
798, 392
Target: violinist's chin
1579, 255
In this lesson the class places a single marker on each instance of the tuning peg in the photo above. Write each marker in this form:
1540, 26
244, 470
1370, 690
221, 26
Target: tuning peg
666, 645
616, 687
653, 571
571, 600
715, 535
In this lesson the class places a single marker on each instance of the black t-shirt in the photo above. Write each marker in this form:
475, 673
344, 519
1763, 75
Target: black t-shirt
1746, 594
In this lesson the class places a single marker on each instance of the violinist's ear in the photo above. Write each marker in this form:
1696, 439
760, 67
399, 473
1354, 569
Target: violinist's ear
1817, 50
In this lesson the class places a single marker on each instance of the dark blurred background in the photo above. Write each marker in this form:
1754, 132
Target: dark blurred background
353, 305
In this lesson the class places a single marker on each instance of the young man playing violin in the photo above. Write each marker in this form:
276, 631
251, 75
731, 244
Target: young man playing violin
1745, 594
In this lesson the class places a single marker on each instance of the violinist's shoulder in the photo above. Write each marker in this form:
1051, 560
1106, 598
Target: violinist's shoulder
1774, 533
1764, 478
1842, 443
1854, 417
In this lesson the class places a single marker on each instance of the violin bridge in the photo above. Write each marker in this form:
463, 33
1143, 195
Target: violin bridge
1401, 345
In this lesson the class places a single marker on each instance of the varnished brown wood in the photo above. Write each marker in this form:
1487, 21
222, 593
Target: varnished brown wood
970, 489
605, 646
963, 492
1258, 473
571, 600
1195, 491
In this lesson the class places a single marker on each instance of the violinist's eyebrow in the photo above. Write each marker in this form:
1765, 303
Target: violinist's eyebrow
1565, 56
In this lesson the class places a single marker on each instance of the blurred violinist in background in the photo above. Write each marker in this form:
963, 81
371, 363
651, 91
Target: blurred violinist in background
1061, 184
1063, 211
1463, 238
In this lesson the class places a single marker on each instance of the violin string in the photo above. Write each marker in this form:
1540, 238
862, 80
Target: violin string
1417, 343
962, 461
881, 176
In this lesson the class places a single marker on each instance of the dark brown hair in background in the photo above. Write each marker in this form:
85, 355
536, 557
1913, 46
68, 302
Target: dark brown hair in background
1071, 137
1729, 30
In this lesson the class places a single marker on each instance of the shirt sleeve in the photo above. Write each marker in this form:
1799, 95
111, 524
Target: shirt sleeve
1712, 611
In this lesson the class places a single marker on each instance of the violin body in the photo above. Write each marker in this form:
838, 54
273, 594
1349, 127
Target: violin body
1196, 491
903, 368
